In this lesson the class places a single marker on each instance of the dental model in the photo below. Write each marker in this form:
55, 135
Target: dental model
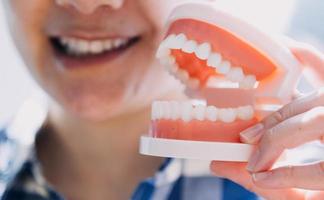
241, 73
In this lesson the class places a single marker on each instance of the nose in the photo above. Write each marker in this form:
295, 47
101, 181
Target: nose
89, 6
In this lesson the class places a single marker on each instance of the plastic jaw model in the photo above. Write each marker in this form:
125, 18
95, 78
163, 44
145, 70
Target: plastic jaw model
239, 72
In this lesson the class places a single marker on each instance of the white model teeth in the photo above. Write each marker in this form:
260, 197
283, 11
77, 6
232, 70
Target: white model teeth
199, 112
174, 68
214, 60
182, 75
235, 74
175, 110
77, 46
178, 41
227, 115
211, 113
163, 52
204, 52
189, 46
193, 83
248, 82
186, 111
245, 112
224, 67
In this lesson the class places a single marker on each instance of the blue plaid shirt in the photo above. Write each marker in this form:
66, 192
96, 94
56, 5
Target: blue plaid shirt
21, 177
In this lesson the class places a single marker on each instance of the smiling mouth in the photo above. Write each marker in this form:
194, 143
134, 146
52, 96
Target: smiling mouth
76, 51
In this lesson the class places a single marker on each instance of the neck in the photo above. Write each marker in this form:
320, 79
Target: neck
115, 137
93, 150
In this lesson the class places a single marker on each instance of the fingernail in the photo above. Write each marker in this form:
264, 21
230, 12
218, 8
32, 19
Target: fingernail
260, 176
253, 161
249, 135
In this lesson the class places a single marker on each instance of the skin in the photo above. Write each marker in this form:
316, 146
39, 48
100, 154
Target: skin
96, 113
295, 124
94, 125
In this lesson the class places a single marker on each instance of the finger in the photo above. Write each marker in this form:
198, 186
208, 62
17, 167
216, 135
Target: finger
303, 104
308, 56
311, 57
314, 195
305, 177
237, 173
288, 134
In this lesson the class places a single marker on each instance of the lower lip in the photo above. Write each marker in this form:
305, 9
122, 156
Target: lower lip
70, 62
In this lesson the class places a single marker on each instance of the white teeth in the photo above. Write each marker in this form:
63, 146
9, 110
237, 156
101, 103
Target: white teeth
157, 110
221, 83
171, 60
80, 46
175, 110
235, 77
211, 113
96, 47
227, 115
162, 52
193, 83
186, 111
214, 60
182, 75
178, 41
189, 46
248, 82
119, 42
224, 67
245, 112
203, 51
154, 110
166, 110
83, 46
174, 68
199, 112
167, 61
108, 44
169, 40
64, 40
235, 74
71, 46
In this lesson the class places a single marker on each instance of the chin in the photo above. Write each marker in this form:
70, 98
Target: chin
92, 107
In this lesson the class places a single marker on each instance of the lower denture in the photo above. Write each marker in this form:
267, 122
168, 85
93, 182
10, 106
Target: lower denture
199, 130
172, 120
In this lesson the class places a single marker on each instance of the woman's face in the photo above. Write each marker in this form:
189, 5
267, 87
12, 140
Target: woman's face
94, 57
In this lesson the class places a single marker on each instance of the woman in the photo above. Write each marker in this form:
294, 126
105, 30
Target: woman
95, 59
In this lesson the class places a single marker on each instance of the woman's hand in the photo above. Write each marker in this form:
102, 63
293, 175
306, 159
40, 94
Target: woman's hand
295, 124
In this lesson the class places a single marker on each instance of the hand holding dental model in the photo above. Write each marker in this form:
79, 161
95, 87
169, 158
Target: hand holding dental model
245, 78
295, 124
239, 73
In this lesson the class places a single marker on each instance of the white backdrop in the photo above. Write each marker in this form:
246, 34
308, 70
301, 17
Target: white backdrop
15, 84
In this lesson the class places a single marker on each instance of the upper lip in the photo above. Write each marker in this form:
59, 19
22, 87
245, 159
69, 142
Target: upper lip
91, 35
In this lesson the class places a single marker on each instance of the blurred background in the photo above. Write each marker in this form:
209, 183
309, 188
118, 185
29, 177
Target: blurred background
302, 20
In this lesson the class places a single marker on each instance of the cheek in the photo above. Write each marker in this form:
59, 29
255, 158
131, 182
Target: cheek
157, 11
28, 34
